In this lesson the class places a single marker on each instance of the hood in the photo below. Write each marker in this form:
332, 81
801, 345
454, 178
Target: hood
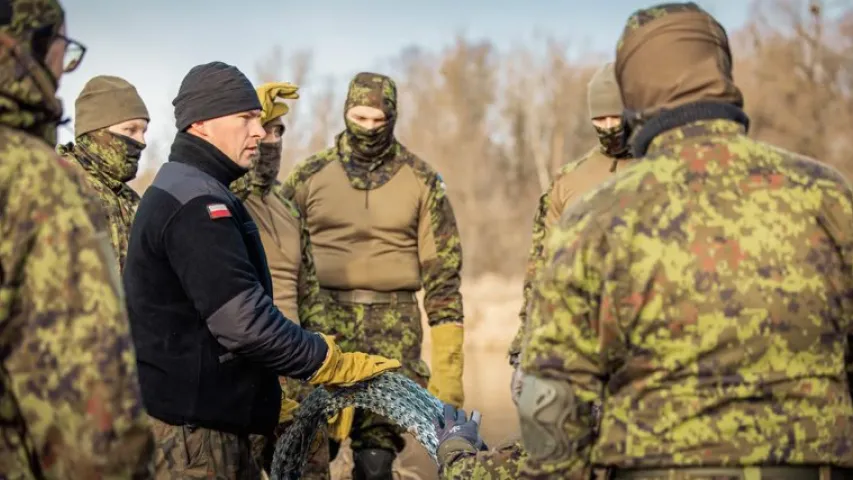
672, 55
27, 89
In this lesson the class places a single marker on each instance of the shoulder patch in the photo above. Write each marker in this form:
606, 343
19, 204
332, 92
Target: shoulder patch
440, 182
218, 210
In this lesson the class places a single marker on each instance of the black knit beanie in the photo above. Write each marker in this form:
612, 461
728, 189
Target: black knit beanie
213, 90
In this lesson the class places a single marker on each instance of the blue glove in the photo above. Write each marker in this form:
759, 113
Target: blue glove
455, 425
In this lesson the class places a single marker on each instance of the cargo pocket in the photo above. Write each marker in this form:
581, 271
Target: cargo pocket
195, 447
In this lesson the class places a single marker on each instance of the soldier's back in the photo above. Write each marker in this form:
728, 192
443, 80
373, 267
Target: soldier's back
71, 403
729, 277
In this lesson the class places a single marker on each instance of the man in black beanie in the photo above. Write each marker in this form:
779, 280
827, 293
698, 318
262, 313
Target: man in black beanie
210, 342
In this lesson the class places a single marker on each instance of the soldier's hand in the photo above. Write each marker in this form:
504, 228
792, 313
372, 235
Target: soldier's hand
346, 369
455, 427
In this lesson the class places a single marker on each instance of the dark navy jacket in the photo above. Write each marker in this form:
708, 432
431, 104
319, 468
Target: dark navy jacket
209, 341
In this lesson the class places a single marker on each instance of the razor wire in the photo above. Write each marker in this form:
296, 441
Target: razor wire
392, 395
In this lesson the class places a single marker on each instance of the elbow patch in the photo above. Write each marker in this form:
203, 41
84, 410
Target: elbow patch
544, 406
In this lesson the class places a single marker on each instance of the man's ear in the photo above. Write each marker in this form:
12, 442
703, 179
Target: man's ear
199, 129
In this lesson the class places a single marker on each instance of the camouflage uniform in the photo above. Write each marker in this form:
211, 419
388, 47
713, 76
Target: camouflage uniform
572, 181
700, 299
296, 290
575, 179
103, 157
381, 228
70, 404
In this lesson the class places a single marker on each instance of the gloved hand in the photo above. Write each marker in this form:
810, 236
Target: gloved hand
269, 92
347, 369
448, 360
288, 406
341, 423
456, 432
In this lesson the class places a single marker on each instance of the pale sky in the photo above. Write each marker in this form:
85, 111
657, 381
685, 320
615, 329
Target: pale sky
154, 43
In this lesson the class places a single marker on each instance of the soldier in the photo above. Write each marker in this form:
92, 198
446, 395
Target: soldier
702, 299
71, 406
296, 291
574, 180
381, 228
109, 128
458, 460
211, 343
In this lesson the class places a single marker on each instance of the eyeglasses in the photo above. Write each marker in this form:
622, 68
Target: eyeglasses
74, 52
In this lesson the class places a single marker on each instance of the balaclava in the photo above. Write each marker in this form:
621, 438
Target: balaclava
605, 100
377, 91
266, 165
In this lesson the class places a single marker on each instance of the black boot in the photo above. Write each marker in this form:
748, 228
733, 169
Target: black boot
373, 464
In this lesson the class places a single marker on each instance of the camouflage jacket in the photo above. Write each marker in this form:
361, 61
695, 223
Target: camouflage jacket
702, 299
502, 463
407, 240
117, 199
573, 180
70, 395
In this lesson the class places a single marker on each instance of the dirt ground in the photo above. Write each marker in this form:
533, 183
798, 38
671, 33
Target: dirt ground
491, 316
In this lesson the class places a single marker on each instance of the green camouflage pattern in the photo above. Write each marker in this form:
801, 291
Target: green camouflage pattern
367, 155
103, 159
29, 15
367, 176
534, 256
194, 453
502, 463
392, 330
702, 299
647, 15
27, 89
373, 90
441, 277
263, 172
70, 405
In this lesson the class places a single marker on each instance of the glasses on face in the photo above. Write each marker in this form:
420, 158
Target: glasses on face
74, 52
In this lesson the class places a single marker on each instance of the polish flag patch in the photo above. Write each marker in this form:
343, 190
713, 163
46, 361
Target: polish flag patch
218, 210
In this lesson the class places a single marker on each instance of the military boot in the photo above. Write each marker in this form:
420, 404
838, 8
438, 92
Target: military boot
373, 464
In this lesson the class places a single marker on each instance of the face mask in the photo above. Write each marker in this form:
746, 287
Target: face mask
613, 140
369, 145
119, 155
266, 168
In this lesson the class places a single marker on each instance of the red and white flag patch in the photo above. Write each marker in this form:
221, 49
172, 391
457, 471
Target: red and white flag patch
218, 210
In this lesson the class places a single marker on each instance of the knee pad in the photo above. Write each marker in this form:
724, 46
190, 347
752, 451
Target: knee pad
543, 407
373, 464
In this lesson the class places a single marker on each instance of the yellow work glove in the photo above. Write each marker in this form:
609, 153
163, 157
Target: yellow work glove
341, 424
346, 369
288, 406
448, 359
269, 92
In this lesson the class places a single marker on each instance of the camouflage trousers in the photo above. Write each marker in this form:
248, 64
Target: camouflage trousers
189, 453
392, 330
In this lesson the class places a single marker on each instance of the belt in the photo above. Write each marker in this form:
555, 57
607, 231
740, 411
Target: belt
734, 473
371, 297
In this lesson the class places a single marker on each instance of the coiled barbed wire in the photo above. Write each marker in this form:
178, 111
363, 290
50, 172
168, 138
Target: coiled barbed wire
392, 395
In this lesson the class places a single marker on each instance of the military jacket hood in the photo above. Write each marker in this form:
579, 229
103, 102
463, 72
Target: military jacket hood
697, 53
27, 89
